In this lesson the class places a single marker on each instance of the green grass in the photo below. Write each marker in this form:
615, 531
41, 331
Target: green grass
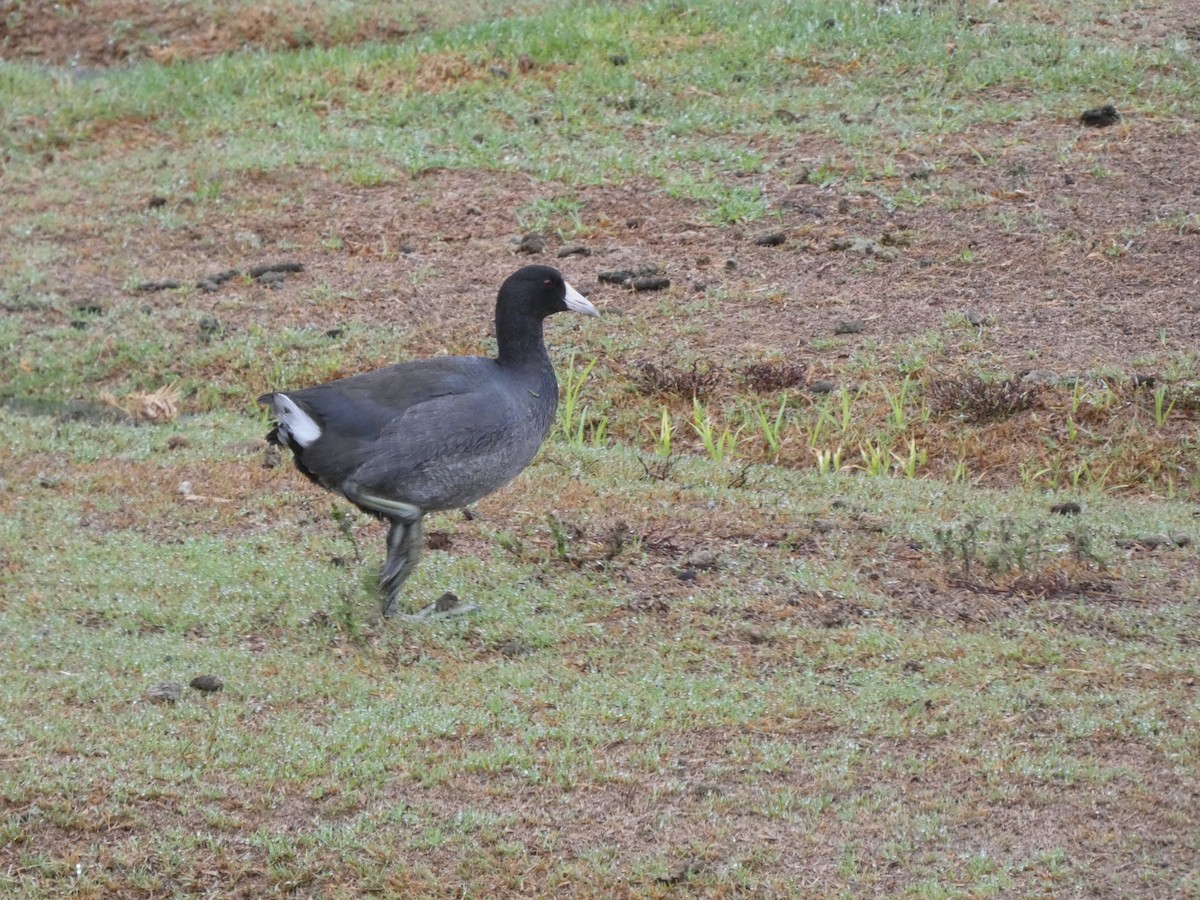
352, 730
699, 82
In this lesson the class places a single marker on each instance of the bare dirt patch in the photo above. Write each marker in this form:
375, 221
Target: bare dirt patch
98, 33
1063, 267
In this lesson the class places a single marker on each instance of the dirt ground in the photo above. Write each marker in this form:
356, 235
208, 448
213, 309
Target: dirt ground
1056, 297
1069, 266
85, 34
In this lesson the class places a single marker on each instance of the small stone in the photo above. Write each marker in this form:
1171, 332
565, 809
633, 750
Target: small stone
650, 283
156, 202
1141, 380
334, 333
448, 601
532, 243
148, 287
1100, 116
177, 441
1181, 539
222, 277
209, 325
850, 326
574, 250
165, 692
704, 559
615, 276
260, 271
438, 540
212, 283
625, 276
272, 279
618, 59
1067, 508
771, 239
822, 386
730, 265
208, 684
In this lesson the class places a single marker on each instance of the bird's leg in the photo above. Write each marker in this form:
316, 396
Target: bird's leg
403, 550
381, 506
406, 535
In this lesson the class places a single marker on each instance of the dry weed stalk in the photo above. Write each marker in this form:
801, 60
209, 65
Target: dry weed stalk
157, 407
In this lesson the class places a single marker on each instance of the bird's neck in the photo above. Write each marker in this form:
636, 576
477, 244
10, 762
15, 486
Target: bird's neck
520, 342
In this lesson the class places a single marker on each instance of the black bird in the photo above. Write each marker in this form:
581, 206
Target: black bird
437, 433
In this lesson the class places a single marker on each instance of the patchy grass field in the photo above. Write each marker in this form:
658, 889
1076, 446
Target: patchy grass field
862, 562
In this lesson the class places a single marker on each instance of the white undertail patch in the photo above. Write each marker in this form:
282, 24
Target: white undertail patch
295, 421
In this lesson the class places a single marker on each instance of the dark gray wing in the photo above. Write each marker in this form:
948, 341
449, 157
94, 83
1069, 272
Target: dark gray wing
437, 433
453, 450
362, 406
353, 413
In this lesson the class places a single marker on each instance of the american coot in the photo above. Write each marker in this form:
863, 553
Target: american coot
436, 433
